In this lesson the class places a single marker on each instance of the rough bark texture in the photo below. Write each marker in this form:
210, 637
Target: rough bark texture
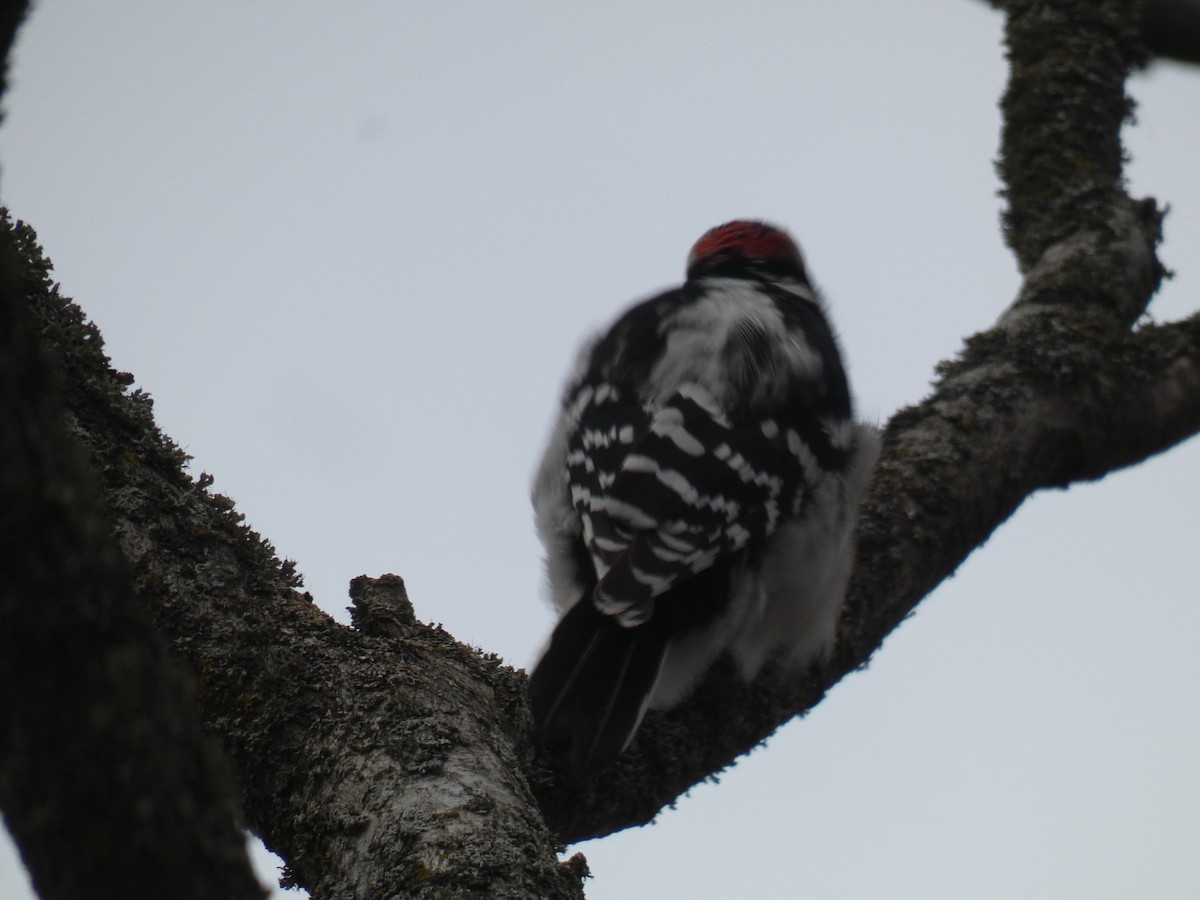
1060, 390
349, 744
1170, 28
389, 760
107, 782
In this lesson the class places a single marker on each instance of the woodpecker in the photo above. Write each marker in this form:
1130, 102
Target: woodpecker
698, 494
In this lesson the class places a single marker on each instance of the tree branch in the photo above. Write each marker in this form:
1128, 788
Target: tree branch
1015, 414
367, 760
1065, 101
1058, 391
107, 782
1170, 28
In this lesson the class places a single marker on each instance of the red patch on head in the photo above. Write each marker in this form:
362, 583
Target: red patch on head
752, 240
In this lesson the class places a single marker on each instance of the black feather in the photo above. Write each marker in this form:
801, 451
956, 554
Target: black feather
592, 683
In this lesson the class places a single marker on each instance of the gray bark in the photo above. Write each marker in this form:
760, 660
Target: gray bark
107, 782
1170, 28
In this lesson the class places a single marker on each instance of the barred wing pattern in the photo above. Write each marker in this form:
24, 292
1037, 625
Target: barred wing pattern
649, 526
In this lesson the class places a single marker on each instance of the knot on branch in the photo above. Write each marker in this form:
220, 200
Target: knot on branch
1109, 271
1061, 157
380, 606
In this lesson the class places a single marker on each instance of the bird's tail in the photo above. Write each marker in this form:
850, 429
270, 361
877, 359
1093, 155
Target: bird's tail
592, 683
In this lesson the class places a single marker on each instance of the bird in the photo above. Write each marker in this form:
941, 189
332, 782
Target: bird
698, 493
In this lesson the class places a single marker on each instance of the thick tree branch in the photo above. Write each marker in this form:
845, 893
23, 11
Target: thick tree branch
106, 780
1059, 391
1061, 157
373, 762
1170, 28
107, 783
1017, 412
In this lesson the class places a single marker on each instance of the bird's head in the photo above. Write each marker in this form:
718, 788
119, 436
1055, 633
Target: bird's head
744, 248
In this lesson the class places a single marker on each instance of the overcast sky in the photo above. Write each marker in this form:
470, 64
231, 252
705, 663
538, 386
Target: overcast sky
351, 248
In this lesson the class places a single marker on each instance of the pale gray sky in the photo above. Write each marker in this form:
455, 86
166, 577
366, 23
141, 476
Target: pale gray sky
350, 250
